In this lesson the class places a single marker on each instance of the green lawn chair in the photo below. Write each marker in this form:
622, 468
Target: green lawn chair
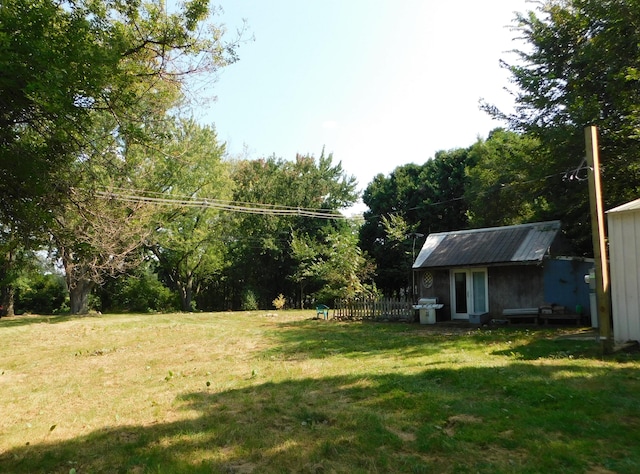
323, 310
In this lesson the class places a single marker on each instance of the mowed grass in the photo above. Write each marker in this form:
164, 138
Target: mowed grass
283, 392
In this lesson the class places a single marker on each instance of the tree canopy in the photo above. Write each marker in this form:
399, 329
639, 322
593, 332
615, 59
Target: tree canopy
505, 184
262, 261
579, 68
413, 198
64, 65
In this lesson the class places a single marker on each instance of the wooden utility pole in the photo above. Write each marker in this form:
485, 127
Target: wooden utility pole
598, 236
414, 236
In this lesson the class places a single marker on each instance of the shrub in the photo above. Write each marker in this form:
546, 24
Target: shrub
141, 293
249, 300
279, 302
41, 294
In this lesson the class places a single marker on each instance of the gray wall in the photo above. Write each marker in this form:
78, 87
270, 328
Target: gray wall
518, 286
441, 289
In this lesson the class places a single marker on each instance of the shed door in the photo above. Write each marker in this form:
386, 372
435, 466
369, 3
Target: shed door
469, 292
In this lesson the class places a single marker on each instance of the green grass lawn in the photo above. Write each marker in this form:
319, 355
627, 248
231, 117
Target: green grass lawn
283, 392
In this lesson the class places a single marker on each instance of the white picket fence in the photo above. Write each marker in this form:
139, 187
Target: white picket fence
386, 309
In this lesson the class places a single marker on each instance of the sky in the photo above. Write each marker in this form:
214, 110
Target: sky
377, 83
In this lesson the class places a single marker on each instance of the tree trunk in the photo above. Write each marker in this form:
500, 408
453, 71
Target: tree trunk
8, 292
79, 293
302, 295
186, 294
8, 297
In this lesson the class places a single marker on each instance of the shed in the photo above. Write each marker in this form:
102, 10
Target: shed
624, 257
494, 269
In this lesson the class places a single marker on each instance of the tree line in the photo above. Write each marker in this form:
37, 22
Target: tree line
115, 198
579, 67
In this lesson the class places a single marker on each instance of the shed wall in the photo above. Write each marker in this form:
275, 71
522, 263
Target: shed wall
564, 283
518, 286
624, 254
440, 289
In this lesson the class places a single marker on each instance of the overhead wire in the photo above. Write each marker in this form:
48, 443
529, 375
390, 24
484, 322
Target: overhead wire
162, 199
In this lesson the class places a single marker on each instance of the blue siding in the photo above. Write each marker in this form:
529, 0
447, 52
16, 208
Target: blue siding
564, 283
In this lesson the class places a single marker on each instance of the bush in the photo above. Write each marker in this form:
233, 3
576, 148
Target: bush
249, 300
41, 294
142, 293
279, 302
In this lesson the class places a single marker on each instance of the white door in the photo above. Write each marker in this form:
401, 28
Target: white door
469, 292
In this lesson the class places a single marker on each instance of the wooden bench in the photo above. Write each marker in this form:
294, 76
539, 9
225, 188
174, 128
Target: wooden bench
542, 315
554, 312
513, 314
561, 317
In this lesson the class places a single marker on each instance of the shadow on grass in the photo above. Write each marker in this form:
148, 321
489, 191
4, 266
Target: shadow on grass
318, 339
512, 419
563, 348
309, 339
28, 319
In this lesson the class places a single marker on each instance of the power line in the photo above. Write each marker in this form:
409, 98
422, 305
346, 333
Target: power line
138, 196
159, 198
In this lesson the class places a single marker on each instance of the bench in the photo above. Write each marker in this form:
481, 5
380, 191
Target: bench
561, 317
558, 313
554, 312
323, 310
519, 314
542, 315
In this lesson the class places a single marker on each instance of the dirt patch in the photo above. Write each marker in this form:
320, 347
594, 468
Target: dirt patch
403, 435
241, 468
599, 470
456, 420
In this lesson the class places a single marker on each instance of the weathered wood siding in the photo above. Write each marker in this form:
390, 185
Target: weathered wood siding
440, 289
518, 286
624, 255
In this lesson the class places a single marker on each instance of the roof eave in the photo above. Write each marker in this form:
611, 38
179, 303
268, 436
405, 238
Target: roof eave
484, 265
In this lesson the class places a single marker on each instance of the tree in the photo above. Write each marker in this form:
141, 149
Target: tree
415, 198
189, 242
83, 83
16, 259
580, 67
505, 185
94, 239
260, 255
94, 232
331, 266
67, 63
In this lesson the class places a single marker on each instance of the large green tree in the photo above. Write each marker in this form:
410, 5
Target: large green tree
505, 182
81, 84
96, 238
92, 231
260, 253
189, 241
579, 67
413, 198
64, 63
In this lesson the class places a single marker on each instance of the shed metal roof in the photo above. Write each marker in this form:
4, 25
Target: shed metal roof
525, 243
630, 206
